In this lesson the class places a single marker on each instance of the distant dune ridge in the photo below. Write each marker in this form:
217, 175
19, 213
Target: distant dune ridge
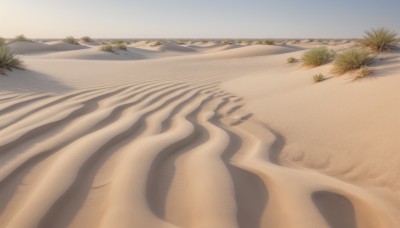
197, 134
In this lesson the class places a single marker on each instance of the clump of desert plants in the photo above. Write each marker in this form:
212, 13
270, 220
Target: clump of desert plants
21, 37
107, 48
158, 43
291, 60
9, 60
379, 39
117, 42
86, 39
71, 40
361, 73
350, 60
316, 56
227, 42
120, 46
318, 78
2, 41
266, 42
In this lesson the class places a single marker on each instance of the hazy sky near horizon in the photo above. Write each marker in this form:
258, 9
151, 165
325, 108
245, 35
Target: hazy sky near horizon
196, 19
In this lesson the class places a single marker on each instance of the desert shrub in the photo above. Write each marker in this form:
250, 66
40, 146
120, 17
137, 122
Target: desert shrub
86, 39
120, 46
351, 59
71, 40
266, 42
379, 39
117, 42
291, 60
9, 60
361, 73
316, 56
227, 42
2, 41
158, 43
107, 48
318, 78
21, 37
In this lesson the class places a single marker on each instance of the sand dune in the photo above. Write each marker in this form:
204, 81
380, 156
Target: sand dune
222, 138
253, 50
173, 47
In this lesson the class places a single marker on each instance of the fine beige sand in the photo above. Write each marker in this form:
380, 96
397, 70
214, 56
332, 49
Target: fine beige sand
202, 135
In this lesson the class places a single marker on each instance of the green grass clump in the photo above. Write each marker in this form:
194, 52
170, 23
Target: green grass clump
86, 39
107, 48
71, 40
361, 73
316, 56
9, 60
351, 59
318, 78
380, 39
291, 60
21, 38
120, 46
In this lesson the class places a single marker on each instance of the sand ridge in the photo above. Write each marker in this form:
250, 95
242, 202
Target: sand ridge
183, 140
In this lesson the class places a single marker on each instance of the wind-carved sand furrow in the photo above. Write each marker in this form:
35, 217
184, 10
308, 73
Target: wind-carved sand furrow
11, 106
75, 130
59, 212
67, 160
129, 179
200, 197
94, 121
291, 189
55, 141
39, 123
162, 169
7, 98
40, 117
27, 111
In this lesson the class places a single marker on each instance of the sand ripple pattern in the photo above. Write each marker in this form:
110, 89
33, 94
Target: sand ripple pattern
160, 154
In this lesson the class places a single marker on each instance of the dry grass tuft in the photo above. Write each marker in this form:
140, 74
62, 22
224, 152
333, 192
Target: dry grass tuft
380, 39
351, 59
317, 56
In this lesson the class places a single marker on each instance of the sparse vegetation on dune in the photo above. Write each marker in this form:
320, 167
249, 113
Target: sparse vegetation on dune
351, 59
71, 40
317, 56
318, 78
120, 46
21, 37
86, 39
9, 60
2, 41
158, 43
291, 60
266, 42
117, 42
107, 48
227, 42
380, 39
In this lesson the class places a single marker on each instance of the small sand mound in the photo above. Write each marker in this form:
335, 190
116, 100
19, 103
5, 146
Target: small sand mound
254, 50
173, 47
64, 46
27, 47
95, 54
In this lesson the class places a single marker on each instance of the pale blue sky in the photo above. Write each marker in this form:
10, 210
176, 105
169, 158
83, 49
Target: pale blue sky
196, 19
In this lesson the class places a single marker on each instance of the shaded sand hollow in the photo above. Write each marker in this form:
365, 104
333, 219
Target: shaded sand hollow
202, 136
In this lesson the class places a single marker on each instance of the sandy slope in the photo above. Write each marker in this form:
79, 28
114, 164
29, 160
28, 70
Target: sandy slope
214, 138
